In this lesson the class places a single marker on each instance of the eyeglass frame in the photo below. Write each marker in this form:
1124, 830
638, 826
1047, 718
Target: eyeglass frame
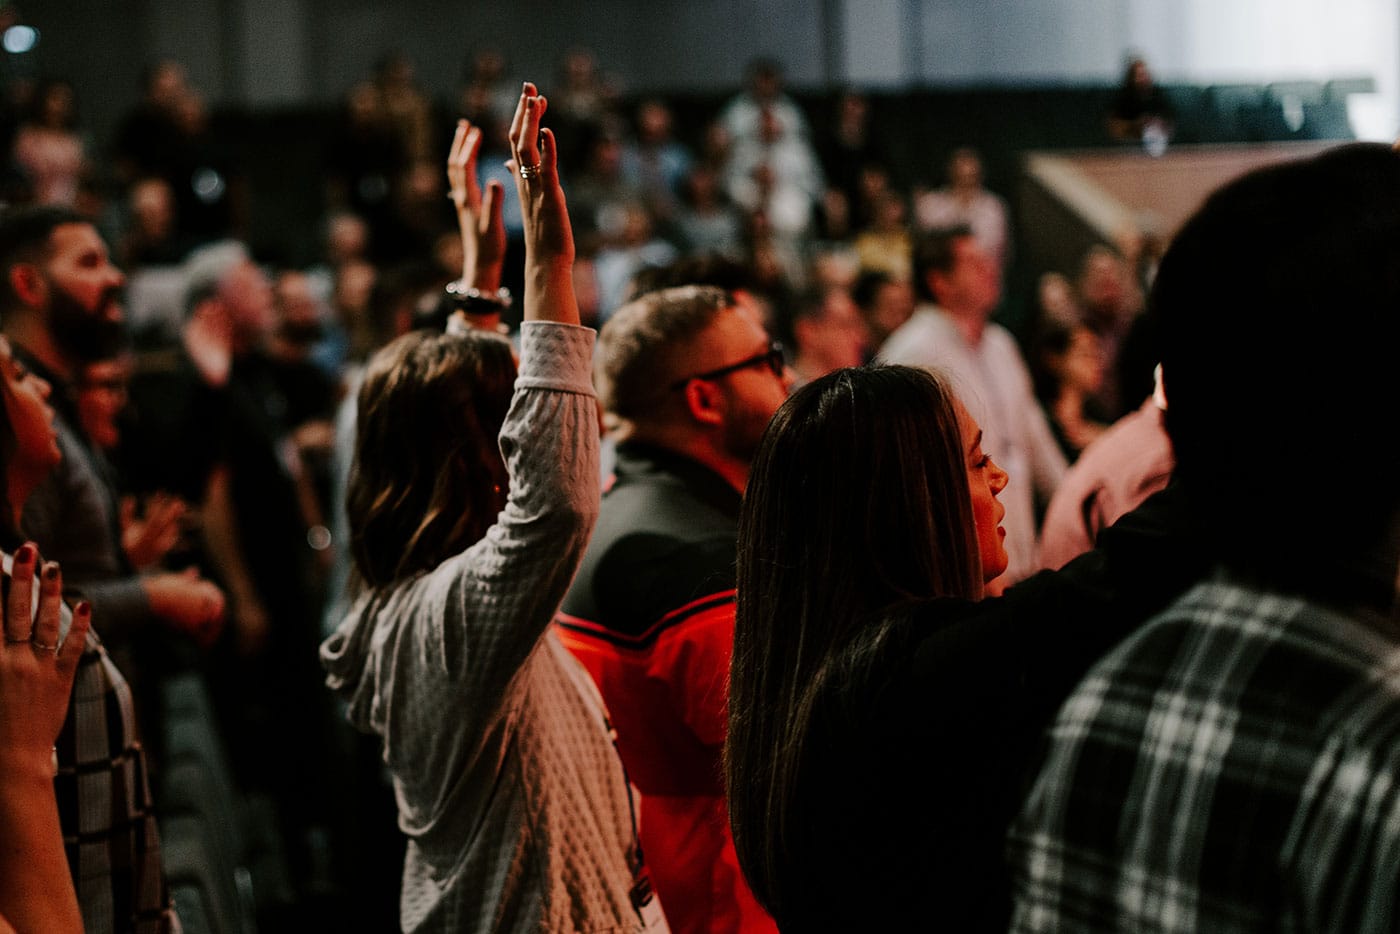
773, 357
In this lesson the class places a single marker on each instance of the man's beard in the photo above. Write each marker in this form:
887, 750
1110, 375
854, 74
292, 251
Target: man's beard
82, 334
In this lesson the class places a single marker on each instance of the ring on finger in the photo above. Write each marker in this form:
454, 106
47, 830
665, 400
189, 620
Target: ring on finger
10, 641
41, 646
529, 171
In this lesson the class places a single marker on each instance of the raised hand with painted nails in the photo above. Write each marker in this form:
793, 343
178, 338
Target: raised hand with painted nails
37, 665
549, 240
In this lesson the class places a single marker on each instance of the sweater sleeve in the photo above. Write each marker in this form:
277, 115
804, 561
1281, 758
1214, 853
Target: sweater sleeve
488, 607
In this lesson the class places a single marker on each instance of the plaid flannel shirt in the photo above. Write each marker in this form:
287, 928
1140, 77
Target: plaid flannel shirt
1231, 767
104, 805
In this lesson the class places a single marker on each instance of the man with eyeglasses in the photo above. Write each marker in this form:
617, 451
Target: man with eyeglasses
689, 381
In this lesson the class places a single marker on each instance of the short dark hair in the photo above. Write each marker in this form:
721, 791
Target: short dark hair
866, 291
857, 510
1279, 309
935, 251
645, 343
710, 268
25, 235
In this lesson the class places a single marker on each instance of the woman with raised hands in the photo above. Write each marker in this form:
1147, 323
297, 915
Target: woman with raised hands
509, 790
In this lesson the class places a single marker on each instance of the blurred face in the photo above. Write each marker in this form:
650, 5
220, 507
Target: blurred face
31, 420
985, 481
965, 171
894, 305
838, 338
85, 315
153, 208
247, 294
101, 398
58, 106
298, 310
972, 284
1083, 362
654, 122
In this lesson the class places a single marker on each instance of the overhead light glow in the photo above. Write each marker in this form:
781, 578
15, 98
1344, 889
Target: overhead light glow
20, 39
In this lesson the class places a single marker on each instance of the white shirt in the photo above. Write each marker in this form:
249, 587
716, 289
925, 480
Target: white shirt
991, 379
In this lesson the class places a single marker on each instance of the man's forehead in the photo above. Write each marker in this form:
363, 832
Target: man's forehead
73, 239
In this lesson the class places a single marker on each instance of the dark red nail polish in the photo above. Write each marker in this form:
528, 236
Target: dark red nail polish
25, 553
51, 571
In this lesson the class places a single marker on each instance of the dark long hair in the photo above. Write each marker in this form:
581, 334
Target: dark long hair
428, 478
10, 536
857, 506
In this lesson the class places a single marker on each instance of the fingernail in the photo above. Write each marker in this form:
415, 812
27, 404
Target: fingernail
51, 571
83, 608
25, 553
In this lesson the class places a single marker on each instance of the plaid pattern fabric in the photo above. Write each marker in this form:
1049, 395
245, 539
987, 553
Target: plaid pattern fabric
1231, 767
104, 805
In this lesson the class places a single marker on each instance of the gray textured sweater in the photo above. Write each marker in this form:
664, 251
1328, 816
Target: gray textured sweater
508, 786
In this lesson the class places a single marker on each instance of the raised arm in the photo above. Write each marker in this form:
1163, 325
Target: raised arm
549, 440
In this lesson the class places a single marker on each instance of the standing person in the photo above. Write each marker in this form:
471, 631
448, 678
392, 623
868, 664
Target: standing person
103, 793
953, 330
691, 380
882, 724
828, 333
509, 790
61, 308
1234, 766
963, 200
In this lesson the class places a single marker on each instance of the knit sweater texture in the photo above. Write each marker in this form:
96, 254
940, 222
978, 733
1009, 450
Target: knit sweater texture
508, 785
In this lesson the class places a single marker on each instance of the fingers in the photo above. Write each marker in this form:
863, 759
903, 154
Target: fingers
525, 128
549, 162
459, 140
19, 605
527, 91
493, 208
469, 182
50, 603
72, 648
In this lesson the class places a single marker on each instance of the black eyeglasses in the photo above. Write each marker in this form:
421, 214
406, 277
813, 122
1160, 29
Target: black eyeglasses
771, 358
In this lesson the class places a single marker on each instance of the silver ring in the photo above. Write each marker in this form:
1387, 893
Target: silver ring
39, 645
530, 171
9, 641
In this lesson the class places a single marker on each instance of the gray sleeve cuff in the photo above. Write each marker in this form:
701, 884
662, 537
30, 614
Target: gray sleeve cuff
556, 356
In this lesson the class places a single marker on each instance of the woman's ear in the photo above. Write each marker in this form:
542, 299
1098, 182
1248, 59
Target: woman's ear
705, 402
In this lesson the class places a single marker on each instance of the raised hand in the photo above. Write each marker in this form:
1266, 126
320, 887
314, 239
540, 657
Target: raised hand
36, 672
480, 220
549, 240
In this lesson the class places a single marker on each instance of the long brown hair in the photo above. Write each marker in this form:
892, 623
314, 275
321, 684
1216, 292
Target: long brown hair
857, 506
428, 478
